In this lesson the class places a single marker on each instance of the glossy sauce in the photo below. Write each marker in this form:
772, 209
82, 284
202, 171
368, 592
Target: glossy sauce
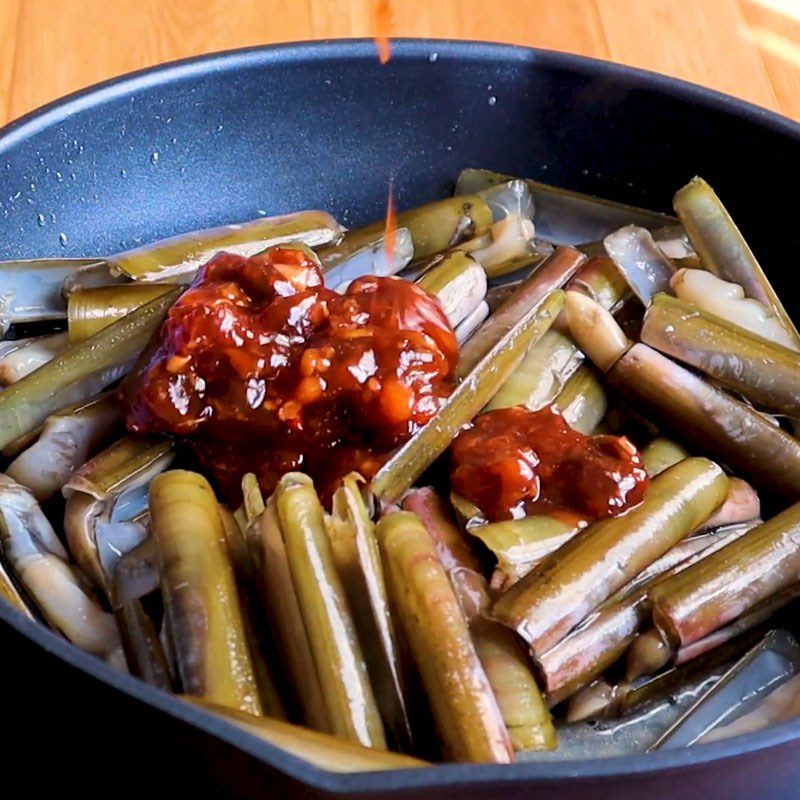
513, 462
269, 371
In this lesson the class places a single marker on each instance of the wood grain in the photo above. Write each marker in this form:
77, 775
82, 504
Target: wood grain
571, 25
703, 41
9, 20
749, 48
775, 30
66, 44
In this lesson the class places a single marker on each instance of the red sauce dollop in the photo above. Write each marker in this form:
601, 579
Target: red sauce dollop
513, 462
268, 371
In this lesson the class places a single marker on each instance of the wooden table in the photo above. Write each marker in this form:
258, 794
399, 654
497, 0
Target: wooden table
749, 48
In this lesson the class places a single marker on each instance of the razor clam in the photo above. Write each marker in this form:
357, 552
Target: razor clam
136, 572
507, 246
177, 259
507, 667
81, 371
466, 512
648, 653
723, 250
554, 272
731, 581
602, 700
597, 642
66, 440
586, 652
30, 354
646, 269
358, 254
662, 453
91, 276
548, 365
673, 242
767, 374
652, 650
136, 575
541, 375
472, 322
440, 225
30, 290
780, 705
520, 544
13, 594
253, 507
509, 274
335, 648
458, 559
331, 753
511, 197
765, 666
268, 551
141, 645
510, 675
582, 401
567, 586
566, 217
104, 496
729, 429
13, 449
91, 310
256, 630
727, 301
42, 565
497, 295
202, 612
580, 739
600, 280
742, 504
471, 395
465, 708
357, 559
458, 281
752, 619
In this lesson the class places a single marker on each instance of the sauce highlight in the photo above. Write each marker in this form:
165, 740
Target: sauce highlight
512, 462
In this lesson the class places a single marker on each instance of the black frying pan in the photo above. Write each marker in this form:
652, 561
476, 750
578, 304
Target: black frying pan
221, 138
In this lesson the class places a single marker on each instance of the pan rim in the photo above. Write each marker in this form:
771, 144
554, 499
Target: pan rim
411, 49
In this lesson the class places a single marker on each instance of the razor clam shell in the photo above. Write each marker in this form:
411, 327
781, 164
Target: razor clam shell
30, 355
637, 256
510, 198
563, 216
634, 733
472, 322
64, 444
767, 665
30, 289
370, 259
42, 566
778, 706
